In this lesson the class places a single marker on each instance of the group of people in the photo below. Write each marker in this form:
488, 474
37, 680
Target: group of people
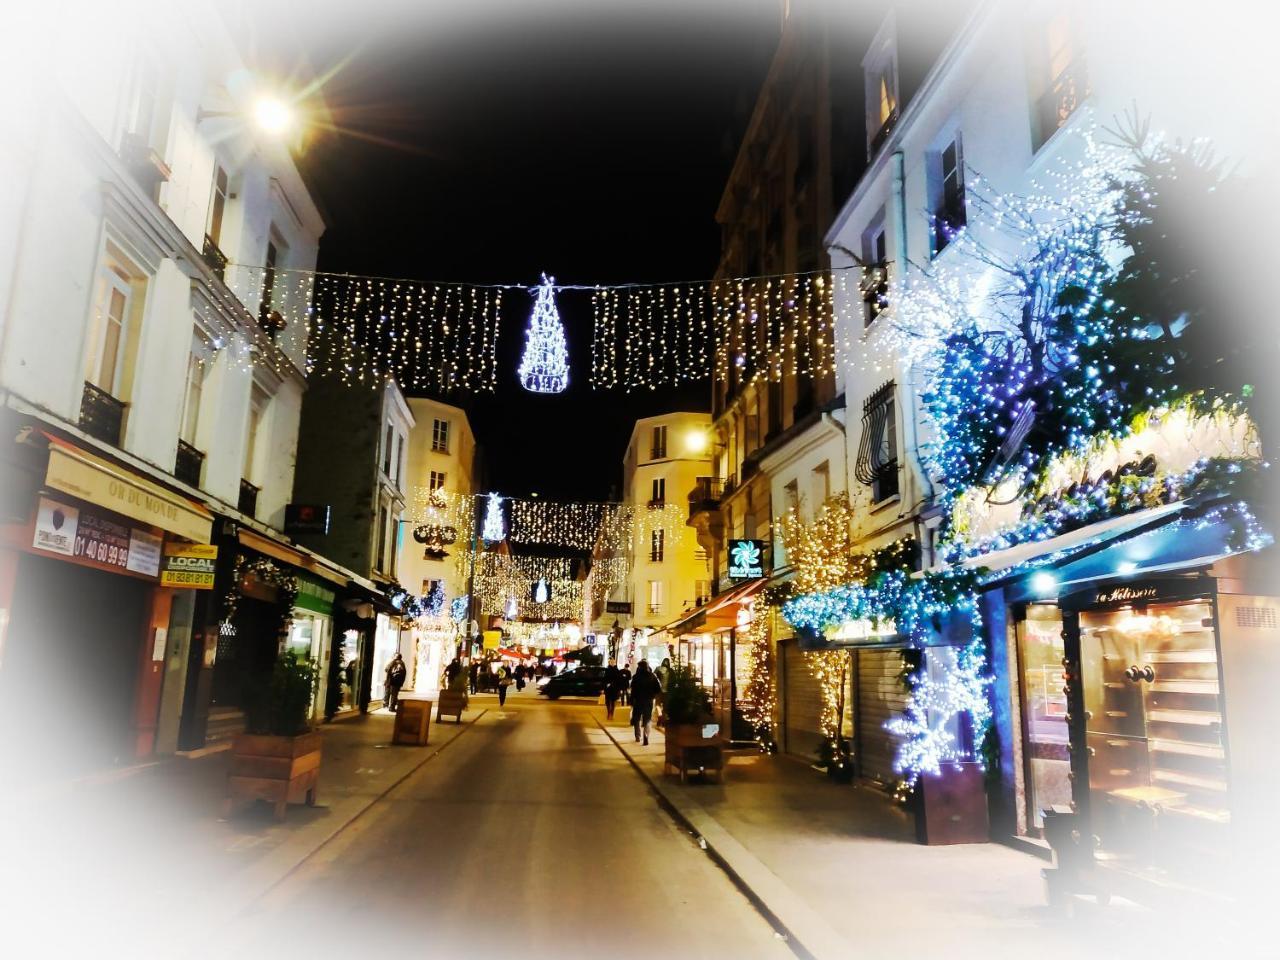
645, 690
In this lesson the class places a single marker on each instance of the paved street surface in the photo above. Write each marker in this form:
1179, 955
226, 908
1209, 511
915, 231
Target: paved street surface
530, 834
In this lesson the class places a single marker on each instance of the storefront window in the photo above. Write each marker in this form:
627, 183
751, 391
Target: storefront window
352, 670
1044, 711
1153, 706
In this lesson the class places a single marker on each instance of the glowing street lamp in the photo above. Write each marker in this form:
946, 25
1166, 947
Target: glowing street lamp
695, 441
273, 116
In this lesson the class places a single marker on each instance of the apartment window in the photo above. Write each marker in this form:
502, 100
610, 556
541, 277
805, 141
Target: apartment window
440, 436
947, 190
882, 97
259, 400
393, 543
658, 446
821, 484
655, 596
217, 205
703, 590
659, 491
657, 543
383, 520
387, 449
875, 276
791, 497
268, 317
435, 481
193, 394
1062, 82
877, 461
109, 329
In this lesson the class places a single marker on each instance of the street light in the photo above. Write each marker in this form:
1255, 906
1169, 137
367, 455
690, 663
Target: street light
271, 115
695, 441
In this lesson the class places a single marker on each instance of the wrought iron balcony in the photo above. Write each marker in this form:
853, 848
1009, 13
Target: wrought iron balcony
875, 290
188, 464
215, 258
1066, 92
101, 414
881, 135
248, 502
706, 494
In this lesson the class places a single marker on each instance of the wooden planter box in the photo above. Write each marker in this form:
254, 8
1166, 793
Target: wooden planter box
687, 748
413, 721
280, 770
452, 703
953, 806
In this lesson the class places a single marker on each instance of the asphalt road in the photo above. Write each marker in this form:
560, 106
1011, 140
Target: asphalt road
530, 834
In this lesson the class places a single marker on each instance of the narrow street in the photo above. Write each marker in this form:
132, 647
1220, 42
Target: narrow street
530, 834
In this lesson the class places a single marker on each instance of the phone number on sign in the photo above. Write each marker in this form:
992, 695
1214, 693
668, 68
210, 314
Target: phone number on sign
113, 554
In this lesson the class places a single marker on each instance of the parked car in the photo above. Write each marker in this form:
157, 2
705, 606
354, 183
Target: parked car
583, 682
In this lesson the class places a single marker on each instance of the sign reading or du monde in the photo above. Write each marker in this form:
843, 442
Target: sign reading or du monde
189, 566
306, 518
746, 559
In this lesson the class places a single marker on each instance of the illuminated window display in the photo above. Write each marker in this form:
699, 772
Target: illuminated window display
1046, 753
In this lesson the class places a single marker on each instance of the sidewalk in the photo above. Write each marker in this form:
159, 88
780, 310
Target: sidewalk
840, 870
156, 836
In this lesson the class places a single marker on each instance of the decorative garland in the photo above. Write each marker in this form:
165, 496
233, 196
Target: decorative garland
286, 585
760, 697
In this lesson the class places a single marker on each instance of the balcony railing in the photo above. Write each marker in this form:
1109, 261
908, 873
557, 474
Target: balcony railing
188, 464
881, 135
215, 258
101, 414
875, 290
1066, 92
706, 494
248, 502
655, 609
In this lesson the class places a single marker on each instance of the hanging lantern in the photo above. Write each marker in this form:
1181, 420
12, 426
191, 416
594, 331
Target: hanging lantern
544, 368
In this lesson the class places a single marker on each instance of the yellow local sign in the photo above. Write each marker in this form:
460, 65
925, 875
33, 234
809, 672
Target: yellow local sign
492, 639
91, 478
188, 566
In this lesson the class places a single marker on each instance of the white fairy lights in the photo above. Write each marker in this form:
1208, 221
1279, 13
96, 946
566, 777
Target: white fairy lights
544, 368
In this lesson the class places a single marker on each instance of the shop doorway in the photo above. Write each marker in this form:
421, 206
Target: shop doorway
1046, 747
1154, 726
881, 697
70, 668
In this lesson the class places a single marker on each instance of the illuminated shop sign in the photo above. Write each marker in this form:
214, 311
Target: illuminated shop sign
746, 559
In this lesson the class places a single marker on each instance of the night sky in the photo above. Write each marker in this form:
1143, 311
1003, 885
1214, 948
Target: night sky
588, 143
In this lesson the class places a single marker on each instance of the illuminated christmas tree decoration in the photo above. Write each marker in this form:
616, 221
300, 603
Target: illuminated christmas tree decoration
544, 368
512, 609
540, 592
493, 530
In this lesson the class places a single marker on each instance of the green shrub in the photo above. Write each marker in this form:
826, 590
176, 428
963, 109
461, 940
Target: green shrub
685, 699
279, 704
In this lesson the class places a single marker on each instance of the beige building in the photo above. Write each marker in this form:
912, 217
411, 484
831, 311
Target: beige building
669, 571
435, 537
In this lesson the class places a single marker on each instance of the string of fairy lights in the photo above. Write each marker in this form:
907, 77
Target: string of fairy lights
439, 336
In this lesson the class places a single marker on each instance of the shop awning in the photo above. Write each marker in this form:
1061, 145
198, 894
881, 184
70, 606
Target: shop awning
294, 557
1067, 546
718, 613
90, 477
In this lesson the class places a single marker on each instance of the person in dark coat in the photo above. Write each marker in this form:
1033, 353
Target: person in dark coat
396, 673
612, 689
626, 686
474, 675
451, 672
644, 690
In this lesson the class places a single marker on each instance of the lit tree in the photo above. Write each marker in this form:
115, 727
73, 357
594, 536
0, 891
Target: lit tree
494, 529
544, 368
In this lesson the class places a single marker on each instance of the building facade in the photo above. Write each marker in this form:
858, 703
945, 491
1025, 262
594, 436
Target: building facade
437, 549
151, 394
1126, 732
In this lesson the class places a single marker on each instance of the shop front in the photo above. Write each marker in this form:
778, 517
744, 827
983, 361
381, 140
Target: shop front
1136, 713
311, 632
88, 629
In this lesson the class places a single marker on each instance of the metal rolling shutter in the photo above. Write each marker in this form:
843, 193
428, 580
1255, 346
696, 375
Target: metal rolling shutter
801, 704
881, 697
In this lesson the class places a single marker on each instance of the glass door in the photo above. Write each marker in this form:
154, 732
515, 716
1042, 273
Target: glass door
1153, 710
1045, 738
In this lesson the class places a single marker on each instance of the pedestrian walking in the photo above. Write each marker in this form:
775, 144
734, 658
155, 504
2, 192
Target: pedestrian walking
625, 677
644, 689
451, 672
396, 673
612, 689
504, 681
519, 678
474, 674
662, 674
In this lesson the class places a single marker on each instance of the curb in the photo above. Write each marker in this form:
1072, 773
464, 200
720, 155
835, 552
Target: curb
277, 876
806, 934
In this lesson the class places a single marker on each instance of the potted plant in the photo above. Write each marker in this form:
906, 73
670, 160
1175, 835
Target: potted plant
278, 757
686, 710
